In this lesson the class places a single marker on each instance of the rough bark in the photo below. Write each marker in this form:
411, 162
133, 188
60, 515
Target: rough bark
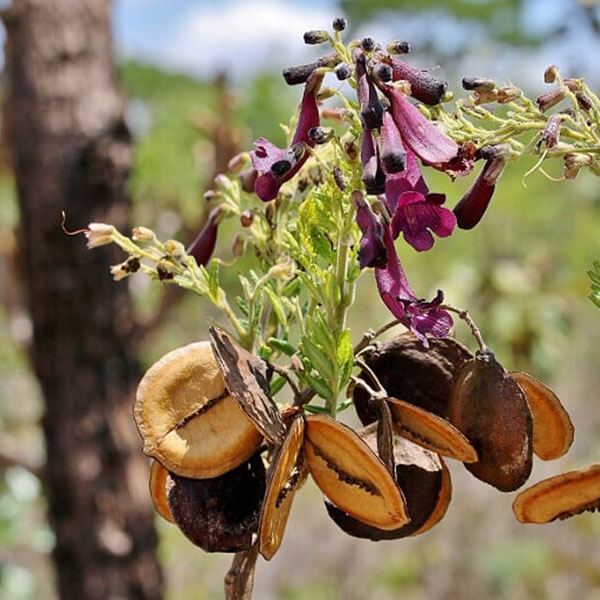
71, 152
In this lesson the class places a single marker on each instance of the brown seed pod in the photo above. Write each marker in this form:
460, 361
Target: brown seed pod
553, 430
288, 472
187, 418
247, 379
425, 483
430, 431
351, 475
490, 409
219, 514
158, 490
560, 497
407, 370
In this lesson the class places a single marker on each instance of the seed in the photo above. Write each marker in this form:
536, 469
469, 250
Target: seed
559, 497
187, 418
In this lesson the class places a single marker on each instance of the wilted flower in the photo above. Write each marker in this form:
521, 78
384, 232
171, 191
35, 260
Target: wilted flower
98, 234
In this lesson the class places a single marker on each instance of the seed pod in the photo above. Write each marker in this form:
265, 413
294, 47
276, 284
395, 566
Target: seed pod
490, 409
425, 483
407, 370
430, 431
560, 497
247, 379
553, 430
187, 418
288, 473
158, 490
219, 514
351, 475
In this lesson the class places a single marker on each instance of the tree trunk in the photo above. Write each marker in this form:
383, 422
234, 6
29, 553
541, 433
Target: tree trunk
71, 151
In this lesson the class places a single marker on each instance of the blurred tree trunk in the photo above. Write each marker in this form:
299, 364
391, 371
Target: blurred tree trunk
71, 151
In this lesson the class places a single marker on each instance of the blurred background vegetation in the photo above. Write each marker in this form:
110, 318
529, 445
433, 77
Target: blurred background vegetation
521, 273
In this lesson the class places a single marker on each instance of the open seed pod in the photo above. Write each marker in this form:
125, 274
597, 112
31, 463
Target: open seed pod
287, 474
425, 483
553, 430
409, 371
219, 514
247, 379
187, 418
158, 490
351, 475
490, 409
559, 497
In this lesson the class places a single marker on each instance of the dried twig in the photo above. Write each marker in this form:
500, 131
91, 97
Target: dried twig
240, 577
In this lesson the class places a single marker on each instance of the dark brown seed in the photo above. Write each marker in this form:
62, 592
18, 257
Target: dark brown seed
220, 514
425, 484
490, 409
408, 371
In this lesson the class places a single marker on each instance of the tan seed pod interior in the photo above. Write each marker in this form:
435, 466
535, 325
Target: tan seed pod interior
284, 480
553, 430
559, 497
442, 504
430, 431
187, 418
351, 475
158, 490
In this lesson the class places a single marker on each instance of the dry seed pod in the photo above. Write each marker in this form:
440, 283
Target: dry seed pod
158, 490
553, 430
288, 473
425, 482
351, 475
247, 379
430, 431
407, 370
490, 409
560, 497
187, 418
219, 514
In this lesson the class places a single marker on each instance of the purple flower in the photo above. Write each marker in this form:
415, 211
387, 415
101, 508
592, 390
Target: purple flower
393, 156
420, 316
204, 244
372, 251
276, 165
474, 203
371, 110
372, 176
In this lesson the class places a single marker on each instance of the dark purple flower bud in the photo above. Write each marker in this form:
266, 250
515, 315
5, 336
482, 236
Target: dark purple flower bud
398, 47
383, 71
204, 244
474, 203
478, 84
372, 252
373, 177
551, 132
320, 135
393, 156
339, 24
416, 214
419, 316
315, 36
301, 73
367, 44
342, 71
425, 87
419, 134
248, 179
371, 109
549, 99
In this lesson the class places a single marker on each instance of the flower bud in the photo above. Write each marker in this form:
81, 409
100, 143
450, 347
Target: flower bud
283, 271
325, 93
367, 44
574, 162
478, 84
246, 218
99, 234
247, 180
237, 248
424, 87
550, 74
301, 73
320, 135
549, 99
508, 93
142, 234
485, 97
339, 24
398, 47
350, 146
238, 162
572, 84
551, 132
583, 101
175, 249
338, 177
342, 71
224, 184
383, 72
315, 36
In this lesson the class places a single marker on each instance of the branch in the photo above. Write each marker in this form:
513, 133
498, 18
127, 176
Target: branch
240, 577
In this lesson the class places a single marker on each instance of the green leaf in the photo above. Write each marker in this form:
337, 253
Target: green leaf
292, 288
277, 307
318, 358
277, 385
242, 304
265, 352
282, 346
322, 332
317, 410
317, 384
213, 279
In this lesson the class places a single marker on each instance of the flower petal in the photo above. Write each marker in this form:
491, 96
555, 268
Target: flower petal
204, 244
372, 252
